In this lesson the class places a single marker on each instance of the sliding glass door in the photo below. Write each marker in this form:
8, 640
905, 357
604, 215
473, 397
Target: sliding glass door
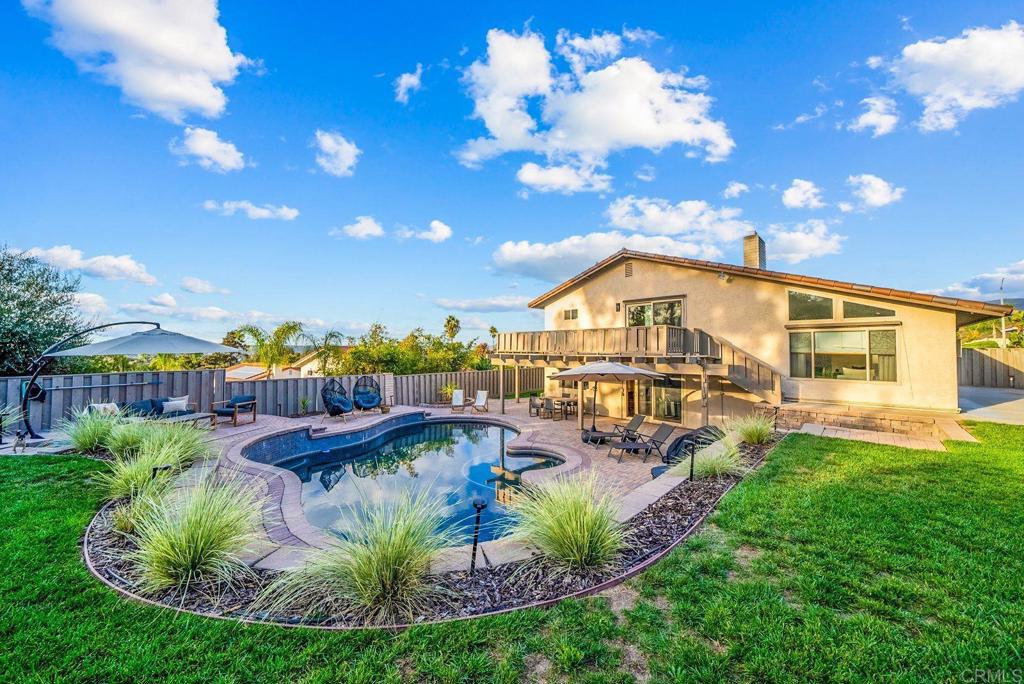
661, 399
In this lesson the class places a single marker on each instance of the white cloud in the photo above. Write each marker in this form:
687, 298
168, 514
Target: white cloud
645, 173
734, 189
408, 83
802, 194
166, 306
564, 178
165, 299
982, 68
363, 228
694, 219
590, 111
335, 154
819, 111
880, 116
640, 35
845, 207
805, 240
169, 58
556, 261
265, 211
985, 286
91, 304
200, 286
485, 304
437, 232
208, 150
874, 192
105, 266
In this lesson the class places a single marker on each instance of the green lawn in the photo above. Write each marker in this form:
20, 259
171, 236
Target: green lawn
836, 561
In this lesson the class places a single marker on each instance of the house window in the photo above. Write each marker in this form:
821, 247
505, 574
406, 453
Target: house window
855, 310
570, 314
668, 312
809, 307
843, 355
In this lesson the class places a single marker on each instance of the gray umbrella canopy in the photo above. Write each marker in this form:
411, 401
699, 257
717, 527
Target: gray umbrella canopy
148, 342
603, 371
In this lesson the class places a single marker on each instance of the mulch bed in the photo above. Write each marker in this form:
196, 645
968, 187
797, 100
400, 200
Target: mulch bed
488, 590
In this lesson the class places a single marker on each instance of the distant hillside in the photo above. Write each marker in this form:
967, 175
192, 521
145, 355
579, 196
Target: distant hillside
1016, 302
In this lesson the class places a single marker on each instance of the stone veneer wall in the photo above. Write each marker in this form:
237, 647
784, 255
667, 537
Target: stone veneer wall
794, 418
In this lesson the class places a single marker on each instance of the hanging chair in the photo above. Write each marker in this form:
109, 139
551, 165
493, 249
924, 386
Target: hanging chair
366, 394
336, 401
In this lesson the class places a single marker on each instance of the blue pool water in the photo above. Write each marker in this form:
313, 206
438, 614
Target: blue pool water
456, 462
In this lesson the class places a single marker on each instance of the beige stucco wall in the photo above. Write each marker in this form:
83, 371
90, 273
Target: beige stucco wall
753, 314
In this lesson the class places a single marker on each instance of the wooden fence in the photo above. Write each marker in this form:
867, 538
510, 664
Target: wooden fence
279, 397
426, 387
991, 368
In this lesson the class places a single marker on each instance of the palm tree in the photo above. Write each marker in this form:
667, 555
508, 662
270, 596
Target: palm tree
452, 327
324, 347
271, 348
494, 332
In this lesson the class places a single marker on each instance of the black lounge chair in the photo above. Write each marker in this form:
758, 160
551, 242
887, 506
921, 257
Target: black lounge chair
626, 433
643, 443
336, 401
687, 445
366, 394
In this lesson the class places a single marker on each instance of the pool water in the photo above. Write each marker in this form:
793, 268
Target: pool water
456, 462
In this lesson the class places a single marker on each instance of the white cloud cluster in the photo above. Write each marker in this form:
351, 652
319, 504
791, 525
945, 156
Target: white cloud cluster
556, 261
802, 194
485, 304
105, 266
880, 116
363, 228
265, 211
200, 286
734, 189
692, 219
165, 305
982, 68
408, 83
564, 178
169, 58
586, 113
437, 232
207, 149
336, 155
874, 192
794, 244
985, 286
91, 304
645, 173
819, 111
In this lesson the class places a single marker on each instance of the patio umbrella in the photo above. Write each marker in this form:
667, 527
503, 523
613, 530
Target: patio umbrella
603, 371
155, 341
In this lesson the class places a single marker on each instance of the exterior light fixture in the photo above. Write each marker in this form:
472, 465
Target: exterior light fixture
479, 505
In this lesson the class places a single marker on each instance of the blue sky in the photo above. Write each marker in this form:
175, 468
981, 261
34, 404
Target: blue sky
208, 165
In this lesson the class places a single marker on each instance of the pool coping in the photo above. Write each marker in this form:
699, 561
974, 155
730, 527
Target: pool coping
291, 537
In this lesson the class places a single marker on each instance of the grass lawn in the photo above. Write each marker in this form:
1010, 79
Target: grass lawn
837, 561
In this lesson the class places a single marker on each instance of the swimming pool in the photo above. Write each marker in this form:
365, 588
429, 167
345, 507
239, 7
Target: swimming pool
456, 461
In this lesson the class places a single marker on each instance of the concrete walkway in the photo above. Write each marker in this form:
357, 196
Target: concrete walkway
995, 404
890, 438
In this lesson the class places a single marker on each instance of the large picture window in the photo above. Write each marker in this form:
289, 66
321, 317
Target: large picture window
843, 355
668, 312
857, 310
809, 307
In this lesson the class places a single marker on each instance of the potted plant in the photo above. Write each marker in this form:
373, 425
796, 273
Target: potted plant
446, 392
303, 405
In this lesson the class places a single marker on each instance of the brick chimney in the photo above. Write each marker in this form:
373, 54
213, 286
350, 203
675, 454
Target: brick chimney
753, 251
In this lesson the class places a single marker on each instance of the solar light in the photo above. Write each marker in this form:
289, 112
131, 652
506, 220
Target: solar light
479, 505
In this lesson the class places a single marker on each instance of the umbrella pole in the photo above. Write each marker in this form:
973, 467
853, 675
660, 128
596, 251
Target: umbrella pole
593, 412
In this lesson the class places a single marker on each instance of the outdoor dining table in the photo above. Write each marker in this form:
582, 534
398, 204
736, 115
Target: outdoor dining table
563, 403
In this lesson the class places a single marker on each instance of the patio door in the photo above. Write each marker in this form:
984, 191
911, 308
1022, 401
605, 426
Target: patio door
662, 398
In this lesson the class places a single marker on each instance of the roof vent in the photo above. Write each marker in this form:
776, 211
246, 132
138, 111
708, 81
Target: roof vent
753, 251
629, 269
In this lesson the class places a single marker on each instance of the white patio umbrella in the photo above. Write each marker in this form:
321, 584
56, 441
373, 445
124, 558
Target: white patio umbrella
603, 371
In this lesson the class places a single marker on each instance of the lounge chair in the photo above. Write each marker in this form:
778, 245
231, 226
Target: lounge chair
336, 401
458, 401
687, 445
627, 433
643, 443
480, 404
535, 406
237, 405
366, 394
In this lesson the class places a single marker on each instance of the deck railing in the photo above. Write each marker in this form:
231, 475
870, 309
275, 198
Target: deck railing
650, 340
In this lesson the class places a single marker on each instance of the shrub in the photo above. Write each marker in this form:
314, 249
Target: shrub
570, 520
125, 439
88, 430
140, 503
717, 460
133, 473
196, 535
10, 414
187, 441
379, 571
756, 428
